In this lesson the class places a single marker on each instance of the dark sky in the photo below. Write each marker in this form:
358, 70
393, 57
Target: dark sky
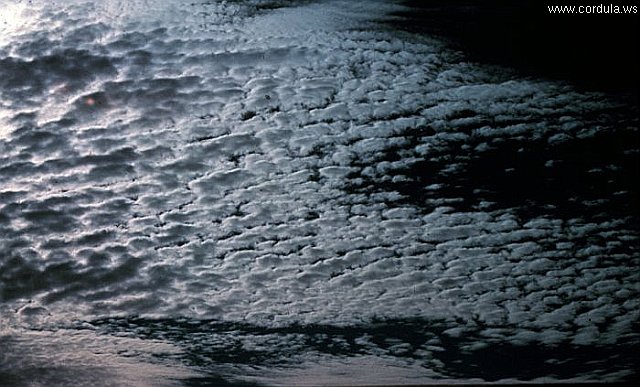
597, 51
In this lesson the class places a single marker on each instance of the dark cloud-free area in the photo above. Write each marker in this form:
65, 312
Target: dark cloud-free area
592, 50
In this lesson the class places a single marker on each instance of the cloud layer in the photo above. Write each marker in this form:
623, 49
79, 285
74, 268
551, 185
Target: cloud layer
307, 165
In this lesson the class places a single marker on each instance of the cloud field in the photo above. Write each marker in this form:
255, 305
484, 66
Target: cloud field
285, 165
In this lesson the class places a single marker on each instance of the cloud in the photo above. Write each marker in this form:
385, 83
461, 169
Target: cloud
305, 168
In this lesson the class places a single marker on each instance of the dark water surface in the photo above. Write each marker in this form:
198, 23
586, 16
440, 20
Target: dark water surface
307, 193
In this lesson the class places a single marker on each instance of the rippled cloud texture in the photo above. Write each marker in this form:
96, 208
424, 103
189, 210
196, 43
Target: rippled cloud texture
314, 178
